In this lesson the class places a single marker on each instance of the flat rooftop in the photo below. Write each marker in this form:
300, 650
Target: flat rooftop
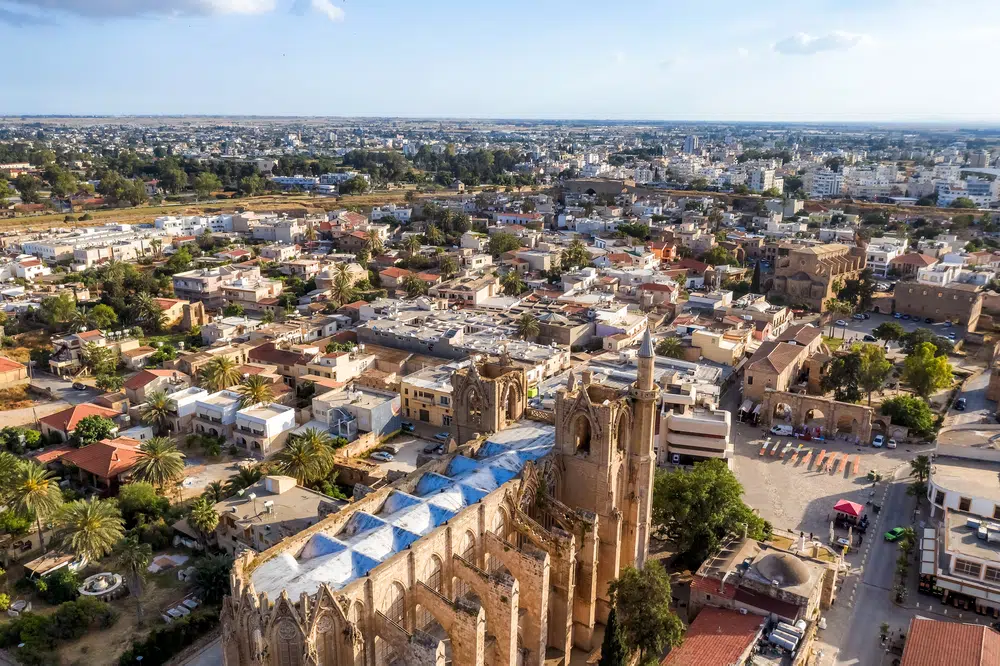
361, 398
435, 379
265, 412
976, 478
961, 539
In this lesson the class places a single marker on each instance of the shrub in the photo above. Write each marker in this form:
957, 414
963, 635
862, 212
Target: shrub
39, 633
4, 602
139, 503
73, 618
13, 523
59, 587
157, 534
166, 641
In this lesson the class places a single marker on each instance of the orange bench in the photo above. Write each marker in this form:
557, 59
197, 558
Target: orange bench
806, 458
819, 458
840, 463
857, 464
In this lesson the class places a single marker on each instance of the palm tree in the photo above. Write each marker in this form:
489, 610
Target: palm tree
836, 308
215, 492
411, 245
92, 527
322, 447
147, 311
133, 559
79, 320
203, 517
374, 242
920, 467
299, 459
159, 462
434, 235
414, 286
342, 290
907, 540
512, 283
310, 232
244, 478
448, 266
527, 326
156, 244
343, 269
255, 390
220, 373
156, 410
670, 347
36, 491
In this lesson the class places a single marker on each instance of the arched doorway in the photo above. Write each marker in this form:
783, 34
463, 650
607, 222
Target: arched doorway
467, 551
815, 421
474, 403
394, 608
847, 425
513, 403
782, 412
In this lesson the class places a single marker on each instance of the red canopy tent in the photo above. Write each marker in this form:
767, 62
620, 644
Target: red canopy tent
848, 508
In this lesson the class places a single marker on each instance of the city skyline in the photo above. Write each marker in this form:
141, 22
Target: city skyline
827, 62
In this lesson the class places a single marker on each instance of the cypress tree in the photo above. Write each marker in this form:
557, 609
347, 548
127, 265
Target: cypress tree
613, 651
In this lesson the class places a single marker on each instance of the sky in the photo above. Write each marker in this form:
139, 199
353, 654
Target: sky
770, 60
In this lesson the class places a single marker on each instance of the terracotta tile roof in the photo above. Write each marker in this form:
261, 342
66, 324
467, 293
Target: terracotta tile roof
717, 637
913, 259
394, 272
775, 356
769, 604
356, 305
655, 286
167, 303
139, 352
6, 365
713, 587
932, 642
267, 353
66, 420
90, 335
137, 381
693, 265
107, 458
803, 334
45, 456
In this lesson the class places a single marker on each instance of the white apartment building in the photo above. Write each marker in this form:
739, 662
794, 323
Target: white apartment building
881, 251
825, 183
939, 274
761, 179
400, 213
215, 414
263, 429
982, 192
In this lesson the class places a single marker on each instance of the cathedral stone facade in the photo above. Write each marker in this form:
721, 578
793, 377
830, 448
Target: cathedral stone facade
497, 552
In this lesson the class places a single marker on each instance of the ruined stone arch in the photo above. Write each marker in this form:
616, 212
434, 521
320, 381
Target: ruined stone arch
432, 578
511, 402
623, 431
500, 525
582, 432
467, 551
474, 403
328, 628
393, 607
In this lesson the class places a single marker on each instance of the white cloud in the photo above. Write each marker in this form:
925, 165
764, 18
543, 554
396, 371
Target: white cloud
330, 10
743, 53
805, 44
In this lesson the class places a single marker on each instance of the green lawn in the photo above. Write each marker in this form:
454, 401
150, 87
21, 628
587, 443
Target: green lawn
833, 343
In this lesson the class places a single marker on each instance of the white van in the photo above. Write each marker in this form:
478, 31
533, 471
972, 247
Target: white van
781, 430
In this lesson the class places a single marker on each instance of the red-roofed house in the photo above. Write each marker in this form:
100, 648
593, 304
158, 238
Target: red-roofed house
64, 422
235, 254
139, 386
173, 310
717, 637
105, 463
12, 373
654, 293
392, 277
933, 643
911, 263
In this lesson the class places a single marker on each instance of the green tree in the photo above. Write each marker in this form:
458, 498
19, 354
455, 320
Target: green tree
179, 261
755, 280
641, 600
35, 492
836, 308
132, 559
888, 331
159, 462
173, 179
512, 284
373, 242
698, 508
875, 369
156, 410
671, 347
843, 377
413, 286
252, 185
28, 187
92, 527
109, 383
100, 360
910, 412
233, 310
920, 468
527, 326
342, 290
211, 578
299, 459
910, 341
147, 311
962, 202
503, 241
719, 256
57, 310
92, 429
6, 191
925, 372
575, 256
448, 266
356, 185
139, 503
411, 245
220, 373
255, 390
614, 652
203, 517
103, 317
205, 183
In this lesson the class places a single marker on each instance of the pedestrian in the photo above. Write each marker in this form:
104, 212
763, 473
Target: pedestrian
860, 539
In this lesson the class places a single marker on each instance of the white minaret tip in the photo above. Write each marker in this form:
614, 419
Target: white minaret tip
646, 350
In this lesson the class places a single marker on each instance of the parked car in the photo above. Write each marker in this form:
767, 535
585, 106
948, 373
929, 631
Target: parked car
947, 324
906, 316
841, 322
869, 338
891, 444
950, 336
432, 447
407, 427
894, 534
878, 441
865, 315
897, 315
858, 316
381, 456
782, 430
443, 436
389, 448
928, 320
80, 386
960, 404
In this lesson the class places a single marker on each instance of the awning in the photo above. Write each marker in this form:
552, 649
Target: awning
849, 508
756, 410
746, 406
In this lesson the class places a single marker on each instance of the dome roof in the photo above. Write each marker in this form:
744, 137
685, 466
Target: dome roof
784, 568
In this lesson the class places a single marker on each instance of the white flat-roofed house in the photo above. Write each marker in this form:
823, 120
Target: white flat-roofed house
183, 405
263, 429
215, 414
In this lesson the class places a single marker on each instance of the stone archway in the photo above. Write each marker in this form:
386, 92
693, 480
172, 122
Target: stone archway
839, 416
847, 424
782, 412
583, 432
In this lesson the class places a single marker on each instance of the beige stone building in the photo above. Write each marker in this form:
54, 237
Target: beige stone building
499, 552
427, 394
780, 364
956, 302
806, 274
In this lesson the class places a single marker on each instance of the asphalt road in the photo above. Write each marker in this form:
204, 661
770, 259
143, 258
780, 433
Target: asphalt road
977, 409
858, 328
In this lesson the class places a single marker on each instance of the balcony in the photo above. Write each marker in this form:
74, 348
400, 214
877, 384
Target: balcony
250, 431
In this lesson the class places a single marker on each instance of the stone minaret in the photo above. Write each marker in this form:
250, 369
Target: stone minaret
642, 462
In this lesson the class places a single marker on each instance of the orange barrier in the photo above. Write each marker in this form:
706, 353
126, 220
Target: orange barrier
831, 461
777, 445
857, 464
806, 458
819, 458
840, 463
